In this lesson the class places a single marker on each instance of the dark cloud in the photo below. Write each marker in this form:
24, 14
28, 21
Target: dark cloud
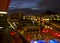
23, 3
44, 4
25, 0
51, 4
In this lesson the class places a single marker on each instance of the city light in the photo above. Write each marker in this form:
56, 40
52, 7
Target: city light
46, 19
2, 12
1, 27
12, 33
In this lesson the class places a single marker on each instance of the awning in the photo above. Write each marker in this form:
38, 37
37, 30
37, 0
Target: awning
4, 4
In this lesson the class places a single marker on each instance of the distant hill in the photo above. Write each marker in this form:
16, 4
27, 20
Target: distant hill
26, 11
50, 12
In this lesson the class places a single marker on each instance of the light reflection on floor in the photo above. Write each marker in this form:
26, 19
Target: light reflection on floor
42, 41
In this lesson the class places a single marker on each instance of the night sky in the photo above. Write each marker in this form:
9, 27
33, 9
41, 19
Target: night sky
24, 3
45, 4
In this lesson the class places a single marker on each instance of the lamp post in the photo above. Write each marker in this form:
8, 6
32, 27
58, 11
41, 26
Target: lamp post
41, 27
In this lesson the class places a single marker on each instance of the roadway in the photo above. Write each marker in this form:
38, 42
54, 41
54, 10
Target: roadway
54, 25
